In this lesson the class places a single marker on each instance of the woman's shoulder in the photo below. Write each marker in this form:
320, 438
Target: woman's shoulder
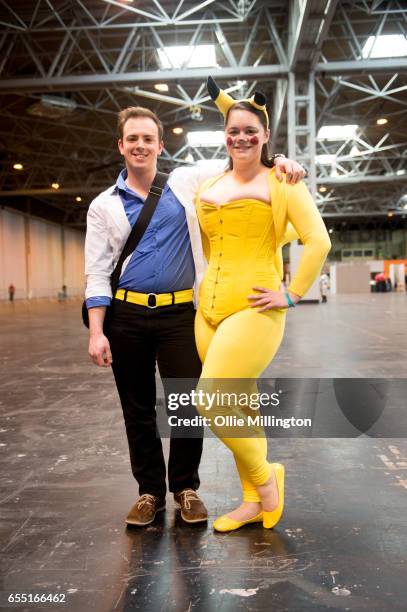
284, 184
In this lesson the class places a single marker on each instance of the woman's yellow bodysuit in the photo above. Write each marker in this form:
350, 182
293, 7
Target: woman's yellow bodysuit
242, 241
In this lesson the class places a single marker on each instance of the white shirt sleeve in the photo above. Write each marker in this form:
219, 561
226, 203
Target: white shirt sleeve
99, 263
185, 182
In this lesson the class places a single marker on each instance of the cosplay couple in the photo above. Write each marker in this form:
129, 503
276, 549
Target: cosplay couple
215, 238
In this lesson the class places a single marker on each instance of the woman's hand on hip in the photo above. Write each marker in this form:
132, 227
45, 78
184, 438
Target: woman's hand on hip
266, 299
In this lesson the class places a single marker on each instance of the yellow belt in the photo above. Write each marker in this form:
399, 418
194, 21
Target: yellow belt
153, 300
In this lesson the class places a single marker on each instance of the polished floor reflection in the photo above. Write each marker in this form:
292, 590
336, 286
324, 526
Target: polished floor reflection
66, 485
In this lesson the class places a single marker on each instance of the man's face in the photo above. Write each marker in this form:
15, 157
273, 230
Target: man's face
140, 145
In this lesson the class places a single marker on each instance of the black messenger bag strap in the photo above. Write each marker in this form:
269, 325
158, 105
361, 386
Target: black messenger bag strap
140, 226
133, 239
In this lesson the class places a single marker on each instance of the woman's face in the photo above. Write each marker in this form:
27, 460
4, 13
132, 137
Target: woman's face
245, 136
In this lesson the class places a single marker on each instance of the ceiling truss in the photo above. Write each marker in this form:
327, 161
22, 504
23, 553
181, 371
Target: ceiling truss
102, 55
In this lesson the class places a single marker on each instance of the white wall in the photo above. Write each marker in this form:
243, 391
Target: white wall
12, 254
296, 251
38, 257
376, 265
74, 262
45, 249
350, 277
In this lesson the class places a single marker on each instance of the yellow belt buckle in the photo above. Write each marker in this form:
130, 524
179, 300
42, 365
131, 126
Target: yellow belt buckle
153, 295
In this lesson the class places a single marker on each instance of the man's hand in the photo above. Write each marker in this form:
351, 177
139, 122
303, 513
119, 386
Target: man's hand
293, 170
99, 347
99, 350
267, 299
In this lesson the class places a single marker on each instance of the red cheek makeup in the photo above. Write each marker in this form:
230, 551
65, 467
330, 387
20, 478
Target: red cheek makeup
230, 141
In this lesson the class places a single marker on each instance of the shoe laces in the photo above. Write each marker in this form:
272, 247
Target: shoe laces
147, 498
188, 495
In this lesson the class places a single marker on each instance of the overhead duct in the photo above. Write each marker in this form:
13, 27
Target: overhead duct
52, 107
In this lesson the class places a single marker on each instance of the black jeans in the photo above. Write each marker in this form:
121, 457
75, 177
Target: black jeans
139, 337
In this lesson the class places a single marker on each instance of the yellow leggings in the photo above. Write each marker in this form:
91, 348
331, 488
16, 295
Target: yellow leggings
240, 347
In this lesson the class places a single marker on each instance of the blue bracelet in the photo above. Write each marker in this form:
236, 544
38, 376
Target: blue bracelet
289, 300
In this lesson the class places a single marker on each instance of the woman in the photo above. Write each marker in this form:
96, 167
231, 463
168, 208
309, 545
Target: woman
244, 215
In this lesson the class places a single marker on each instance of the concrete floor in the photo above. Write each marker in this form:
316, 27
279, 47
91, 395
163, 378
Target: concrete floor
66, 485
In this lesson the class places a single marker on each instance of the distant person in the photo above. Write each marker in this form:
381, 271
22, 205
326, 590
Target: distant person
63, 294
11, 292
380, 282
323, 287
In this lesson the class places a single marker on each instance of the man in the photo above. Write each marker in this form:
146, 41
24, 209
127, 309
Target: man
153, 318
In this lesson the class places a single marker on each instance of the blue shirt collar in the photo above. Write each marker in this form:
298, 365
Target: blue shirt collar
121, 185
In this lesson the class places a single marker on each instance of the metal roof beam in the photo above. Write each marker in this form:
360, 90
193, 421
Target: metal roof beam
387, 65
62, 83
368, 213
361, 178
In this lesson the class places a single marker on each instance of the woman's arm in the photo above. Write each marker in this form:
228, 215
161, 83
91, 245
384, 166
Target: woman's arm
289, 235
307, 222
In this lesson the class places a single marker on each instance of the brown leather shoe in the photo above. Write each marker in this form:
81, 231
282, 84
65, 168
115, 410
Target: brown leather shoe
192, 507
144, 510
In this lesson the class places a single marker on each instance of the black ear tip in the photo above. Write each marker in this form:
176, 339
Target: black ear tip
213, 89
259, 98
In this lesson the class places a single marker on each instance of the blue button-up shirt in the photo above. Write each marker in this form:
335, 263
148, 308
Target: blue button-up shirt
162, 261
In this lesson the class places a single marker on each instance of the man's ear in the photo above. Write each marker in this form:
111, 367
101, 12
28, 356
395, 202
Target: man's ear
120, 146
160, 147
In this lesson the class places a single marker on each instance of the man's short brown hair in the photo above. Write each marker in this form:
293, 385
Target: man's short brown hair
138, 111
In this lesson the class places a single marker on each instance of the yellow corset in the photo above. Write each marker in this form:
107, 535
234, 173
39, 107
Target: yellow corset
240, 234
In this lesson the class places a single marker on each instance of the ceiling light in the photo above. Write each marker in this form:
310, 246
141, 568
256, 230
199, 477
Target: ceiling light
206, 138
196, 113
387, 45
400, 172
161, 86
381, 121
405, 206
18, 166
337, 132
330, 230
55, 185
78, 199
389, 214
322, 189
177, 130
200, 56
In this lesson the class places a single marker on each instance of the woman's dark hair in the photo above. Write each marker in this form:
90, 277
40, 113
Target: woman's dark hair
265, 150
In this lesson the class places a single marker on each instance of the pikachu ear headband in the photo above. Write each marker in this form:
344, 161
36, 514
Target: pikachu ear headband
224, 101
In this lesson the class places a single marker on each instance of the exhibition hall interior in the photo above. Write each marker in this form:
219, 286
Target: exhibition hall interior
333, 74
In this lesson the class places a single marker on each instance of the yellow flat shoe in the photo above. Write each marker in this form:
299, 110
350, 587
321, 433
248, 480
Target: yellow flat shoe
270, 519
225, 523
